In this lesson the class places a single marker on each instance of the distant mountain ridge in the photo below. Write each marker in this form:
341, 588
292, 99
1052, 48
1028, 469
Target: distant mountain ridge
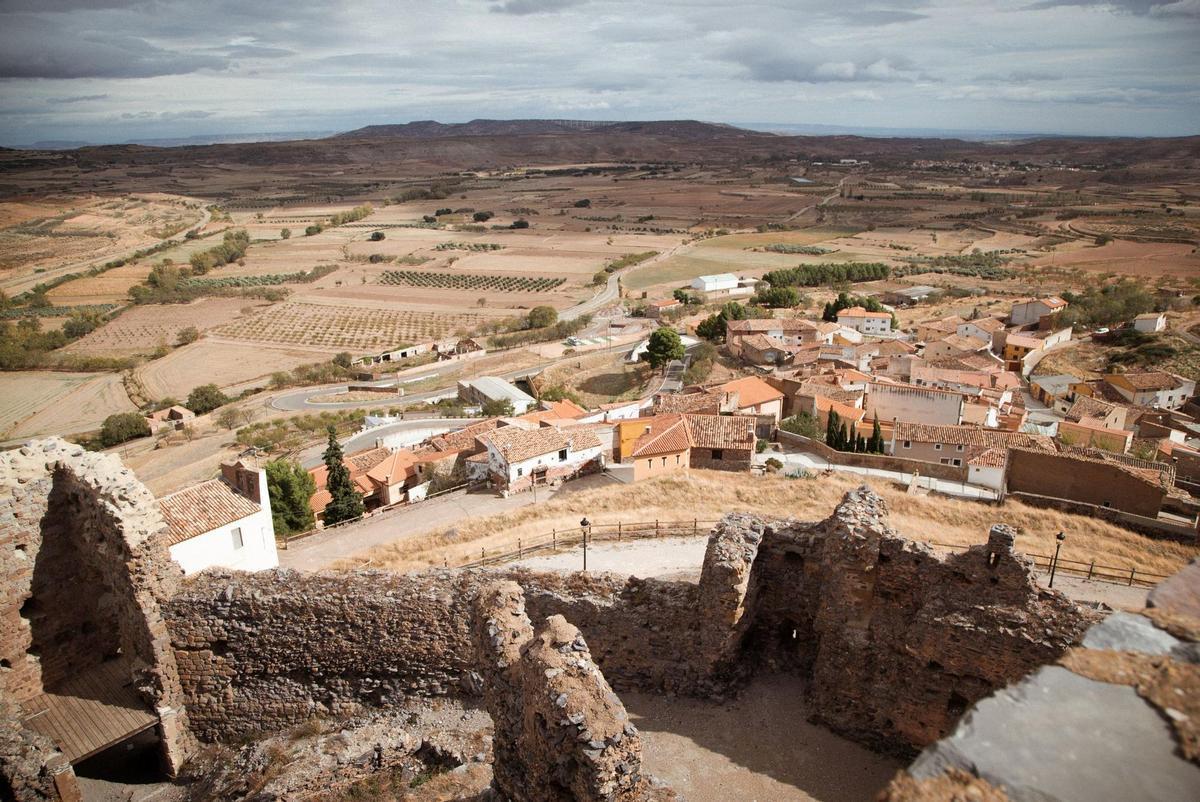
431, 129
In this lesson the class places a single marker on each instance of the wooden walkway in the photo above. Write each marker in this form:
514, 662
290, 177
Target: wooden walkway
91, 712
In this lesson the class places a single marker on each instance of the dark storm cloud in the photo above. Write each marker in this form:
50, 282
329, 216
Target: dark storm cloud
524, 7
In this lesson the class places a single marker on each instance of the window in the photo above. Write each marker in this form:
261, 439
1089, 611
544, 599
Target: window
520, 471
908, 443
944, 461
664, 462
562, 455
960, 448
937, 446
957, 463
676, 459
649, 464
718, 453
237, 537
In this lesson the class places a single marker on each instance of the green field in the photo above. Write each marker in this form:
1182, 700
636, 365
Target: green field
733, 254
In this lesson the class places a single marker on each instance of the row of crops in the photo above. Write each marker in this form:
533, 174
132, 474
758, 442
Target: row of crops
806, 250
469, 281
266, 280
17, 312
469, 246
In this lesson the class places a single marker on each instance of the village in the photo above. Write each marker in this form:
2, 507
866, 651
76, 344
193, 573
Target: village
953, 406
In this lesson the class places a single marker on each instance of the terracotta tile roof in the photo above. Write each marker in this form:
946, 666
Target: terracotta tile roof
1088, 407
721, 431
764, 324
971, 436
895, 348
988, 324
859, 312
202, 508
517, 445
463, 439
394, 469
761, 342
752, 391
665, 434
1022, 341
844, 411
363, 461
1150, 380
964, 342
688, 402
985, 457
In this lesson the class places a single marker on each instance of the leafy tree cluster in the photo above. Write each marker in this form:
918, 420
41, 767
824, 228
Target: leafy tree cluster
233, 247
804, 424
351, 215
1107, 304
826, 274
290, 488
482, 217
713, 327
519, 331
560, 393
778, 298
346, 504
687, 298
846, 301
704, 356
498, 408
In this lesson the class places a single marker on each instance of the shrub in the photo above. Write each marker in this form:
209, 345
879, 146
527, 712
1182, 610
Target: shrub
122, 427
542, 316
314, 229
482, 217
376, 236
205, 398
285, 233
187, 336
582, 203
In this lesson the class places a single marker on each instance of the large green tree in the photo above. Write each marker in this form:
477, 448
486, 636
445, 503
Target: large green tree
290, 488
205, 398
123, 426
664, 347
346, 504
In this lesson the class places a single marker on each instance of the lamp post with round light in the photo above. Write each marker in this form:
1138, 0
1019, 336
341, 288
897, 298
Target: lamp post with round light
1060, 537
586, 526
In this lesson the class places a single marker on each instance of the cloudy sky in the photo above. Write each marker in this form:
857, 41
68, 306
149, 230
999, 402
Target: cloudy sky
115, 70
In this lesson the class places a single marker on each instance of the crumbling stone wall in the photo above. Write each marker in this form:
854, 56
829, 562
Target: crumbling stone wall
561, 734
896, 640
83, 572
262, 651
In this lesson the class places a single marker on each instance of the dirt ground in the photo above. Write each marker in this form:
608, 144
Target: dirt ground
43, 403
755, 748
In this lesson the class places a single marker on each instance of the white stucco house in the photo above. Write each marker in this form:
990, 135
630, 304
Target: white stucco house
516, 459
223, 522
865, 321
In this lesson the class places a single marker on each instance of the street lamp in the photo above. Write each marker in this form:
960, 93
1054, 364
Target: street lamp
1060, 537
586, 526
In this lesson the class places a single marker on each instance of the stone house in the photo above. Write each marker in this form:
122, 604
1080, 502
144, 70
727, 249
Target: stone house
955, 345
937, 329
1087, 479
224, 522
753, 396
722, 442
173, 417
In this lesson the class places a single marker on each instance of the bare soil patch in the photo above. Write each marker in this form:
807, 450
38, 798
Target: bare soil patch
141, 329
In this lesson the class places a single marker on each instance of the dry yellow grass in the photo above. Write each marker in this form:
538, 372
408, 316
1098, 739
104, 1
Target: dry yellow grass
707, 495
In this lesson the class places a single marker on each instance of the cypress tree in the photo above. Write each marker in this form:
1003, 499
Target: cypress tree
876, 436
843, 438
831, 431
346, 503
852, 438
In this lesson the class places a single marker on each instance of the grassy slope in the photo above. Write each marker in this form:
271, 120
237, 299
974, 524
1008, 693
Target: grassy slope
707, 495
